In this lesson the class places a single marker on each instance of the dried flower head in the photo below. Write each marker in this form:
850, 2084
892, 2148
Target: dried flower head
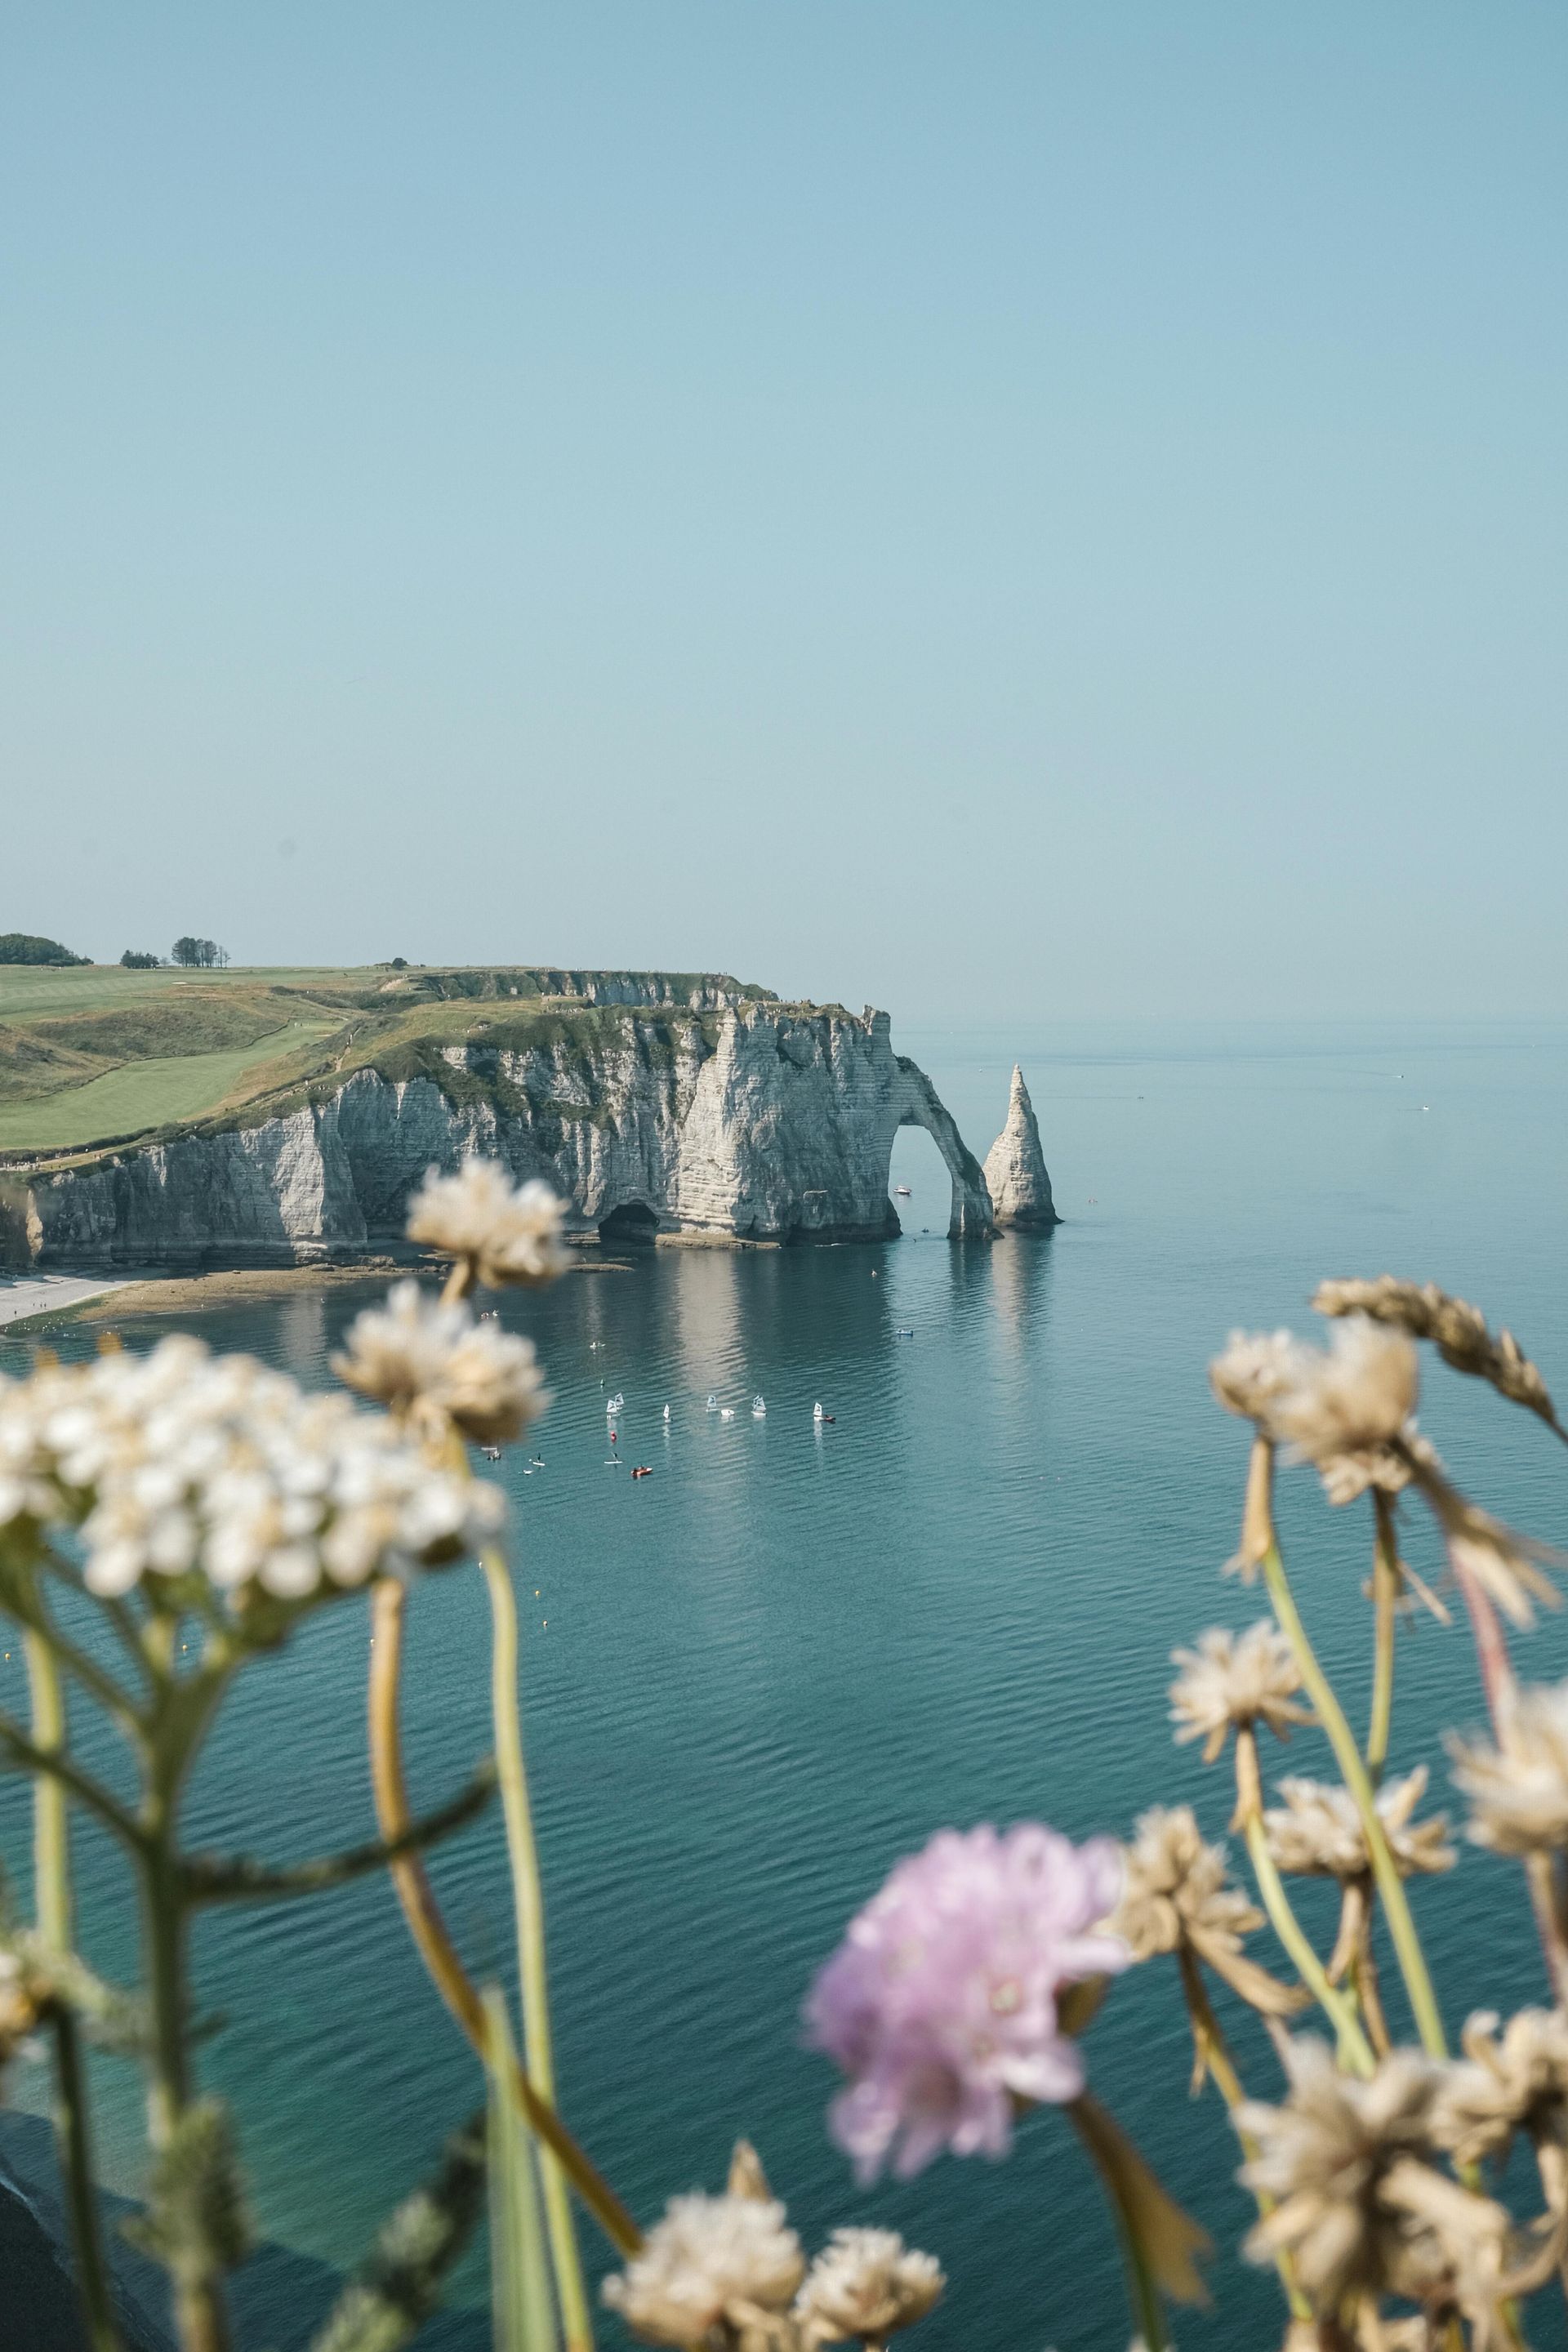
1174, 1895
1317, 1831
1458, 1330
1347, 1410
1515, 2083
1255, 1370
506, 1234
1354, 1399
1356, 2205
1232, 1681
711, 2262
1173, 1890
867, 2283
1506, 1565
941, 2003
416, 1354
1519, 1792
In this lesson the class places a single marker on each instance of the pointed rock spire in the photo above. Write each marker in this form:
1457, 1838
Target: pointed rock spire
1016, 1173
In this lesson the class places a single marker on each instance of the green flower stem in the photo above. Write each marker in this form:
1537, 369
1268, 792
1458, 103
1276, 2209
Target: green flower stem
1214, 2053
1348, 1756
1385, 1596
428, 1928
201, 2320
47, 1764
186, 1707
529, 1900
51, 1860
1355, 2051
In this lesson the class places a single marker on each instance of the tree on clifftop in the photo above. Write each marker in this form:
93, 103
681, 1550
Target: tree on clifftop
21, 947
202, 952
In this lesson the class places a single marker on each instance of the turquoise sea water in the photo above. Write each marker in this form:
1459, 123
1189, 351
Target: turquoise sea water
758, 1677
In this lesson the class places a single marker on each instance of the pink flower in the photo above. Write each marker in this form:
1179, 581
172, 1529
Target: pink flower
941, 2002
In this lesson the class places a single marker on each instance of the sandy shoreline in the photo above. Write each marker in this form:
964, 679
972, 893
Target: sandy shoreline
32, 1304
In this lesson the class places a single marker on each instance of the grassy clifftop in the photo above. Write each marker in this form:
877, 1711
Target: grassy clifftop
100, 1056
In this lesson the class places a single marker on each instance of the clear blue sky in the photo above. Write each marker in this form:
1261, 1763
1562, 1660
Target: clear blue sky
925, 503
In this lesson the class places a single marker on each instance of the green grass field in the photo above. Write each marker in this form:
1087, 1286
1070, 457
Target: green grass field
94, 1055
26, 989
144, 1094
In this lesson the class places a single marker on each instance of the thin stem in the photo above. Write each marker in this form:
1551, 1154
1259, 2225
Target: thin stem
51, 1862
240, 1879
529, 1900
27, 1756
201, 2319
1214, 2053
185, 1712
1348, 1756
428, 1928
1212, 2049
129, 1634
1385, 1596
1369, 1991
1354, 2049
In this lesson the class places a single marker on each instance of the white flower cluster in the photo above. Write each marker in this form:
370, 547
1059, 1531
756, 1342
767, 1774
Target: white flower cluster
181, 1459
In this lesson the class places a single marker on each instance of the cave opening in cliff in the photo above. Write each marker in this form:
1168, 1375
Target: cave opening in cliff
632, 1223
916, 1160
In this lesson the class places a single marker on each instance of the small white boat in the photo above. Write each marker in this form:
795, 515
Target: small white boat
712, 1405
758, 1409
817, 1411
902, 1191
726, 1412
666, 1412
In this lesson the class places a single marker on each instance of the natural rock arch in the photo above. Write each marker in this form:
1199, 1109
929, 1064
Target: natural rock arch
918, 1105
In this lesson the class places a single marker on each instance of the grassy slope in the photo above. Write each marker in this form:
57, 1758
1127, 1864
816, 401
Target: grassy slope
99, 1056
145, 1093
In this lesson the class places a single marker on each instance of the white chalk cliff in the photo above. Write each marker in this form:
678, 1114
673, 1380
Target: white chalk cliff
756, 1121
1015, 1175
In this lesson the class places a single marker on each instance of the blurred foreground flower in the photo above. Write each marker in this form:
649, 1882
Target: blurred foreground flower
1347, 1410
711, 2263
1458, 1330
1518, 1792
180, 1461
1234, 1681
502, 1235
941, 2003
1317, 1832
1515, 2082
867, 2283
419, 1355
1175, 1897
1356, 2204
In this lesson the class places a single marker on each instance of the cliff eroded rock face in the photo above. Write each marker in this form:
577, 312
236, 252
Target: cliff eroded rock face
763, 1122
1016, 1173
